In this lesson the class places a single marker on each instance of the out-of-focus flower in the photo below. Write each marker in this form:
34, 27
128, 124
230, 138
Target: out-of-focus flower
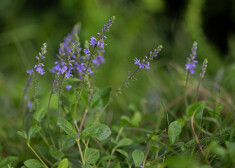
191, 64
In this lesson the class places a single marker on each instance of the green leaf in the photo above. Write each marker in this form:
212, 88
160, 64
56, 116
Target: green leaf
91, 156
174, 131
136, 119
125, 121
181, 121
99, 131
23, 134
117, 165
67, 141
39, 114
87, 166
214, 147
55, 153
105, 95
33, 163
100, 95
138, 157
106, 158
64, 163
33, 131
8, 161
124, 153
197, 108
124, 142
67, 127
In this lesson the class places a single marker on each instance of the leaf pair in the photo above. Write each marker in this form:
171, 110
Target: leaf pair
99, 131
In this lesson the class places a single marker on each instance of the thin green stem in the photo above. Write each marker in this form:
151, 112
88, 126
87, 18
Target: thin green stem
118, 91
186, 86
37, 156
48, 118
115, 147
199, 83
80, 150
147, 152
58, 110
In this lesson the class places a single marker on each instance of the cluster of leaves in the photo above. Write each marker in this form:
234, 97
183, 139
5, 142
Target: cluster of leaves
80, 138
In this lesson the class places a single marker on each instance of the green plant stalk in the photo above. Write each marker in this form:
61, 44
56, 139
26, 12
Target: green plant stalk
80, 150
37, 155
197, 140
84, 115
147, 152
48, 118
44, 138
115, 147
199, 83
58, 109
85, 74
34, 90
185, 91
118, 91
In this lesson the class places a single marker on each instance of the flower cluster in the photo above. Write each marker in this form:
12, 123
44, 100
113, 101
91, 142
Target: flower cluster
191, 64
145, 64
39, 67
204, 65
75, 61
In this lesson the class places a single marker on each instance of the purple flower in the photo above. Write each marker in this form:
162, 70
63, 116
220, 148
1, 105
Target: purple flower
39, 69
92, 42
137, 61
191, 64
101, 44
69, 87
101, 57
30, 71
68, 73
96, 61
29, 104
145, 64
86, 51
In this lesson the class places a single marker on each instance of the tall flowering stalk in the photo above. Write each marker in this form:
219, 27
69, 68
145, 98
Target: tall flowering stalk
202, 75
98, 47
90, 59
191, 62
32, 79
141, 65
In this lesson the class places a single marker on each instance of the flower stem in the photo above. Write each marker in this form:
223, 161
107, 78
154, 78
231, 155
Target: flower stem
147, 152
37, 155
185, 89
48, 118
80, 150
199, 83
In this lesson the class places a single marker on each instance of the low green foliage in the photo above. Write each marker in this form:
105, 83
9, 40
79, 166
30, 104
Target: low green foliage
185, 124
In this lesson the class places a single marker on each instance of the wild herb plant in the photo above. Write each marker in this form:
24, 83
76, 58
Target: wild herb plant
73, 134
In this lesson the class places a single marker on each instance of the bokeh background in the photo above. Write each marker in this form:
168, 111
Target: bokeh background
140, 26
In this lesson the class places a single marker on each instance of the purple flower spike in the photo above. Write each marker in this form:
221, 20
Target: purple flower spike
145, 64
191, 64
204, 65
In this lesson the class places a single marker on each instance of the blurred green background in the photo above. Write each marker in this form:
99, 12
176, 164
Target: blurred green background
140, 26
